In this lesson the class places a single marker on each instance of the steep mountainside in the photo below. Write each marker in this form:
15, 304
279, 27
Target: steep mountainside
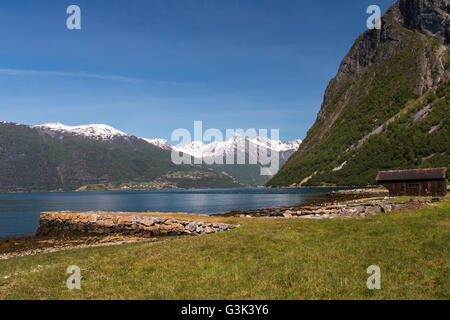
387, 107
49, 158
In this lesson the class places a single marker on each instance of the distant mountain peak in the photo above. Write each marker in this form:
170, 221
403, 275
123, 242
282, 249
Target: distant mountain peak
92, 131
160, 143
276, 145
200, 149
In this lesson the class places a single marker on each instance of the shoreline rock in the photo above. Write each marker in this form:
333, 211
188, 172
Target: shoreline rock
337, 210
363, 191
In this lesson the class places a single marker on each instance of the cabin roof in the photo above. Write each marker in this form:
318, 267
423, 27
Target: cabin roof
412, 174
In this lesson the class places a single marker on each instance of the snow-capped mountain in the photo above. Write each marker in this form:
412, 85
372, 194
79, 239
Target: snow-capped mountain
240, 148
234, 145
276, 145
160, 143
54, 157
91, 131
196, 148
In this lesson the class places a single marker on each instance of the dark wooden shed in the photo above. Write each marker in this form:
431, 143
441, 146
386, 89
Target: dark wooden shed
415, 182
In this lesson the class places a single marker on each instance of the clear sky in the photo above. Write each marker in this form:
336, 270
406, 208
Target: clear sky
147, 67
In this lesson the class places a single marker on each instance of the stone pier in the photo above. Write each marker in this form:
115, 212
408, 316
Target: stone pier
104, 223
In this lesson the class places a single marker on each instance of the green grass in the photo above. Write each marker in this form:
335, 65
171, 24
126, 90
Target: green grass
263, 259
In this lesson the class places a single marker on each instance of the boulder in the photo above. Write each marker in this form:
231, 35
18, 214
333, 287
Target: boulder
191, 227
209, 230
148, 222
372, 210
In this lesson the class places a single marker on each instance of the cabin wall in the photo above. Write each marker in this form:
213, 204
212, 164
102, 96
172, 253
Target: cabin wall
431, 188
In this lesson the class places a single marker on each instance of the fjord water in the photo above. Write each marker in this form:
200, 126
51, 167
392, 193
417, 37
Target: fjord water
19, 213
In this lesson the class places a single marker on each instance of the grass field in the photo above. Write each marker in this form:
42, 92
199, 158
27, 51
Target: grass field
263, 259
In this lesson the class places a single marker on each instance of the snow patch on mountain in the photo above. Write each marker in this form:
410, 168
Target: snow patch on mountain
160, 143
276, 145
195, 148
234, 145
92, 131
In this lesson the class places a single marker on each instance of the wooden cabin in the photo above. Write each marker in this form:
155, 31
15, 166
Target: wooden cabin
415, 182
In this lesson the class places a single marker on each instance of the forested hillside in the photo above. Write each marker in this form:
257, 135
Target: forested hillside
32, 159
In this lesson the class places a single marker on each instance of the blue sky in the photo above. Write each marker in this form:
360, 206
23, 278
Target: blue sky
147, 67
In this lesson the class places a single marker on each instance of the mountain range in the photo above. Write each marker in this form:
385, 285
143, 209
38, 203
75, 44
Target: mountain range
237, 147
54, 156
388, 106
233, 145
198, 149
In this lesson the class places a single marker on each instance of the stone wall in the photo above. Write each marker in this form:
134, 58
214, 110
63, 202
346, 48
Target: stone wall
54, 223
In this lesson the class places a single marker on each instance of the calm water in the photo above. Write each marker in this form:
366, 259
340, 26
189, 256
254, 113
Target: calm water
19, 213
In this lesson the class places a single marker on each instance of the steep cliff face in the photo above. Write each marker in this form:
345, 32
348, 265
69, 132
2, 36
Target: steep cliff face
429, 17
388, 74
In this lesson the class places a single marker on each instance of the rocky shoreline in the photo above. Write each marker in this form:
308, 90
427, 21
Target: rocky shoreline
340, 210
334, 197
343, 203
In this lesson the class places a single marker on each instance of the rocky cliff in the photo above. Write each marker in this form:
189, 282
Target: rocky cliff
369, 116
